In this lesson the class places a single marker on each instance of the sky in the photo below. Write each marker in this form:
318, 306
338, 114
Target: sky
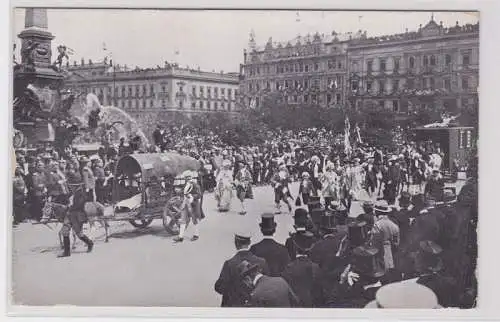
212, 40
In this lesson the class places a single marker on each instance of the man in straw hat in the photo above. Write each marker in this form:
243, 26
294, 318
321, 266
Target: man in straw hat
275, 254
230, 283
267, 291
385, 234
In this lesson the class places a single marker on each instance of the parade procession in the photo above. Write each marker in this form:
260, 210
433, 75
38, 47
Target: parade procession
347, 210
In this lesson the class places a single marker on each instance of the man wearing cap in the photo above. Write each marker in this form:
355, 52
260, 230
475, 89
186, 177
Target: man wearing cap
275, 254
230, 283
39, 181
304, 276
301, 224
266, 291
385, 234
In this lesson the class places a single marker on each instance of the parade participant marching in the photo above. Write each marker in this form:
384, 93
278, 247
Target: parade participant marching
74, 219
243, 182
330, 184
314, 168
306, 189
280, 182
224, 188
57, 184
40, 190
230, 284
191, 206
355, 176
275, 254
346, 186
371, 178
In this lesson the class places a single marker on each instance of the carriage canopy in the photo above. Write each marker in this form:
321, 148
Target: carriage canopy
155, 165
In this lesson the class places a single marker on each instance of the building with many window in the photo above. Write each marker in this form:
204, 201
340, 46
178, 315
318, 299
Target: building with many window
432, 67
154, 92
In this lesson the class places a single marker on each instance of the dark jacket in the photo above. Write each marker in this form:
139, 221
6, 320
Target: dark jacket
305, 278
443, 286
324, 252
273, 292
275, 254
230, 284
290, 244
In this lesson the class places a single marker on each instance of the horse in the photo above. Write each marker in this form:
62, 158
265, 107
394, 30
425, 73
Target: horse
93, 212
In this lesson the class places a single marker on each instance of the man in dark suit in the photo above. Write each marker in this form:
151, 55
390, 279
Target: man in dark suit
267, 291
230, 284
402, 217
435, 185
305, 277
275, 254
301, 222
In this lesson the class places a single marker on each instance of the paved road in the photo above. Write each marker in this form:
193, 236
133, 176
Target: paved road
138, 267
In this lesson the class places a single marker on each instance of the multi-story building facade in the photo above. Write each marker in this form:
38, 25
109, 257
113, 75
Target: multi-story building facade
432, 67
309, 70
154, 92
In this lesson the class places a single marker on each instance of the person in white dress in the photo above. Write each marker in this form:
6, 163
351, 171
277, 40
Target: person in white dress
330, 184
224, 187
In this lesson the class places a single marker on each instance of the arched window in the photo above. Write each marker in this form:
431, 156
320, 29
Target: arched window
412, 62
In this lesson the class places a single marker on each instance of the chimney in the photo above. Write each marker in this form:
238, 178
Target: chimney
83, 62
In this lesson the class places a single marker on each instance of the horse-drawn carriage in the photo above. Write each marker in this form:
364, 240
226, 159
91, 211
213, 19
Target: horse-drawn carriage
145, 187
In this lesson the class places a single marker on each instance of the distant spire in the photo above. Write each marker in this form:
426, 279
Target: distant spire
251, 41
432, 16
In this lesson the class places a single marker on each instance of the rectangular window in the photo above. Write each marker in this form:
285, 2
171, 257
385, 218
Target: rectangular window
381, 87
369, 66
354, 85
229, 93
151, 103
151, 90
193, 105
306, 68
209, 90
369, 85
163, 104
395, 84
328, 98
216, 92
396, 64
163, 88
466, 59
395, 106
193, 90
447, 84
316, 66
337, 98
465, 83
339, 64
432, 83
130, 91
306, 98
306, 83
181, 104
295, 98
448, 59
223, 91
316, 83
382, 65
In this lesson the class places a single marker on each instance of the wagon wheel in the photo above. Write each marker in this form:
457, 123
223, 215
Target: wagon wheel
143, 223
171, 216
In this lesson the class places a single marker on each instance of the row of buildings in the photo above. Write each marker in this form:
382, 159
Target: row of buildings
432, 67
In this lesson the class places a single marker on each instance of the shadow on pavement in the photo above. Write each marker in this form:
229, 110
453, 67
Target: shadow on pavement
138, 232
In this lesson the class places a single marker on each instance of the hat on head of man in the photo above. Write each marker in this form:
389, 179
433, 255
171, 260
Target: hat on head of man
243, 236
382, 207
300, 218
356, 233
245, 268
267, 224
365, 261
405, 198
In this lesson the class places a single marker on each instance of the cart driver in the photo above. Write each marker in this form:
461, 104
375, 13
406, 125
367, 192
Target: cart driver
191, 206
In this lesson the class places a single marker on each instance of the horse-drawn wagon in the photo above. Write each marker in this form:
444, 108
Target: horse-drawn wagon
145, 187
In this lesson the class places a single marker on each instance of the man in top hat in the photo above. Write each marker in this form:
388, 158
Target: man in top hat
385, 234
330, 249
432, 274
360, 280
304, 276
275, 254
266, 291
230, 283
301, 224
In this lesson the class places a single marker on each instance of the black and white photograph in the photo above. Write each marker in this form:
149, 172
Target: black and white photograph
244, 158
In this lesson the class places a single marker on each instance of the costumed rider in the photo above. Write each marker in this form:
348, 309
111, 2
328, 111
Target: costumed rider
280, 182
224, 187
191, 206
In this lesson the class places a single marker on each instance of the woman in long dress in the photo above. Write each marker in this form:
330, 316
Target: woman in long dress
224, 187
243, 183
356, 178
